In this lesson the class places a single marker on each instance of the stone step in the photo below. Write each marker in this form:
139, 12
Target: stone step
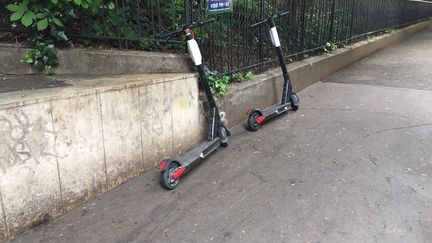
78, 61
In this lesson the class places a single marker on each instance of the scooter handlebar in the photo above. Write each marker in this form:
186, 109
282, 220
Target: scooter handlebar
274, 16
284, 14
191, 26
258, 23
202, 23
174, 33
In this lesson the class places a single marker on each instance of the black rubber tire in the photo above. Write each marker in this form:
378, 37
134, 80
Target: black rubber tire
166, 177
252, 124
295, 102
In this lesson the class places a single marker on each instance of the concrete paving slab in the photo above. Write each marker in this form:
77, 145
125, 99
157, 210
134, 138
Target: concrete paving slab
344, 168
78, 127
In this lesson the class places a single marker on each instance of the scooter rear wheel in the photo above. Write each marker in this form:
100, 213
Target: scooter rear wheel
252, 123
166, 177
295, 102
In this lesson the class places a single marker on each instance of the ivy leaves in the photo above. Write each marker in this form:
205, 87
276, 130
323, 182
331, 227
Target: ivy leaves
44, 56
219, 83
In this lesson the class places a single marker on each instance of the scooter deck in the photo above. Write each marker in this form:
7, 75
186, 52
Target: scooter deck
276, 110
200, 152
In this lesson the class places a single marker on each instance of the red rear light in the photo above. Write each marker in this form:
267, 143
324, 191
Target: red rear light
261, 119
178, 173
162, 165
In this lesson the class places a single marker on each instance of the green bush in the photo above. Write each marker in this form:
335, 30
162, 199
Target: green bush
46, 20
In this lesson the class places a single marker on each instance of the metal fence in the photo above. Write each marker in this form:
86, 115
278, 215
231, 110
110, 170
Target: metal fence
233, 46
229, 45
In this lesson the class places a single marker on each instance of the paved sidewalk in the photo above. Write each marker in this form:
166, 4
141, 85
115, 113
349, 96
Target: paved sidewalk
354, 164
405, 65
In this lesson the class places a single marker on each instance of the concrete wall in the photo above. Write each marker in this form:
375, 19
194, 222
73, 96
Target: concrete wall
59, 151
101, 62
266, 89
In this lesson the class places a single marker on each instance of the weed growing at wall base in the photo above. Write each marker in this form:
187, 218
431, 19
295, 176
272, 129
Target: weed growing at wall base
44, 56
219, 83
390, 31
329, 47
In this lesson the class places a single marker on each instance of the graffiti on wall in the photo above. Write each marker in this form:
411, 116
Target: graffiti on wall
155, 98
23, 141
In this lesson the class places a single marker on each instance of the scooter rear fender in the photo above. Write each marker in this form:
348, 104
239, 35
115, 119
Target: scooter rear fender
253, 110
166, 163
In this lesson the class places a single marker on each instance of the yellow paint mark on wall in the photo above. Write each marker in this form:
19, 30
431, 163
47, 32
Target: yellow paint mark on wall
182, 104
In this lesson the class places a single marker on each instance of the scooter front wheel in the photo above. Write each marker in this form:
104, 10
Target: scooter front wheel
166, 177
295, 102
252, 123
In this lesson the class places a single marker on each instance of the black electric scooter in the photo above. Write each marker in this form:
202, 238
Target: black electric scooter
174, 168
289, 99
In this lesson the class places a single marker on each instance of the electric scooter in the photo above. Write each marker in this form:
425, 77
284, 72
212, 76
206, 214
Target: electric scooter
289, 99
174, 168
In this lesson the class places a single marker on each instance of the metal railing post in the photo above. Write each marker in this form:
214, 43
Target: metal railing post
303, 26
332, 21
352, 19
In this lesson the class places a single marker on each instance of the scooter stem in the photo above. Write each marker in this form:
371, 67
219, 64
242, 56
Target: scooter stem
214, 111
287, 88
195, 54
